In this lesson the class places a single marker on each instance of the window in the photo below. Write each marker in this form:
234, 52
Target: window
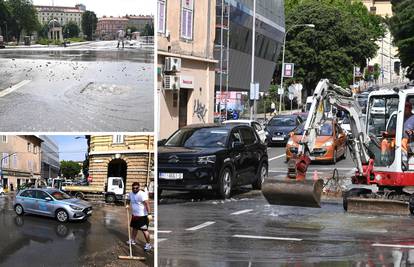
248, 136
30, 165
118, 139
116, 182
5, 159
257, 126
29, 147
187, 19
14, 162
161, 16
41, 195
4, 138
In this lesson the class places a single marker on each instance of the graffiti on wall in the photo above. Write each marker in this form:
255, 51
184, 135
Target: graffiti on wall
200, 110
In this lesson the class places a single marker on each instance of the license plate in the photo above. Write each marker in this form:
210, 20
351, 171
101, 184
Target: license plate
278, 138
170, 176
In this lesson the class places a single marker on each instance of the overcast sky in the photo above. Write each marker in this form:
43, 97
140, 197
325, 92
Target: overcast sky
71, 147
108, 7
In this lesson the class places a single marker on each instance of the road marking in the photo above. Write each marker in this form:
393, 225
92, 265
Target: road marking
197, 227
14, 87
277, 157
267, 237
240, 212
164, 231
159, 240
391, 245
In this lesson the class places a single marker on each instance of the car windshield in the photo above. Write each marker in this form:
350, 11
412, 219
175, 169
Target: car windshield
199, 137
282, 121
325, 130
59, 195
379, 103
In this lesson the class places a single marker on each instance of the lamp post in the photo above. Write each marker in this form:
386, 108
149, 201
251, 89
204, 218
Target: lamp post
252, 108
283, 59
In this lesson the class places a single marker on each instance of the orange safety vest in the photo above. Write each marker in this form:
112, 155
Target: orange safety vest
404, 144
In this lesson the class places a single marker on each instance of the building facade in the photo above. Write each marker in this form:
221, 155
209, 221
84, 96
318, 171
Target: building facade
62, 14
387, 58
128, 156
20, 159
107, 27
50, 163
139, 22
185, 35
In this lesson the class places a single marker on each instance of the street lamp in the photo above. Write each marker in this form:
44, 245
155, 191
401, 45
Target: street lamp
283, 59
252, 109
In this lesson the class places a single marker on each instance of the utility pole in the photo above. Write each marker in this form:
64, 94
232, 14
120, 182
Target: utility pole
253, 108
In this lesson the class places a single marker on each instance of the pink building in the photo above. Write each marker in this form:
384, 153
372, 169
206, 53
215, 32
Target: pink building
107, 27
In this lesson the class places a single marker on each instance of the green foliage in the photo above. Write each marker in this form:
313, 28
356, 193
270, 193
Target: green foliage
43, 31
69, 169
344, 36
89, 21
47, 41
19, 15
70, 30
402, 29
148, 30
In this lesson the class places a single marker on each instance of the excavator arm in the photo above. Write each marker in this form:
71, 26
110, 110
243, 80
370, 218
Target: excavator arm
296, 190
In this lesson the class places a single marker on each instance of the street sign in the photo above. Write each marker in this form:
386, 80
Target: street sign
280, 91
291, 96
288, 70
254, 91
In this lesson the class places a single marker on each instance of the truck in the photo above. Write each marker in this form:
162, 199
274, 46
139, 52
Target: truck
381, 148
112, 192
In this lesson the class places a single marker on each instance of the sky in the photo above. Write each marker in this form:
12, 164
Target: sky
108, 7
70, 147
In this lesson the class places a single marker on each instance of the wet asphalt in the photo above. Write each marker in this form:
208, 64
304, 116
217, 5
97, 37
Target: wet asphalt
196, 229
91, 87
41, 241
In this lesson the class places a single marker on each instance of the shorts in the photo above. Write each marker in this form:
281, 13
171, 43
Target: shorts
139, 223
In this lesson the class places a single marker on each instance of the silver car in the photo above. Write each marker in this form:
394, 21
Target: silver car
51, 203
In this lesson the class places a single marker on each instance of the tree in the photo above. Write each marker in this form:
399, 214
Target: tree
148, 30
70, 30
43, 31
5, 17
69, 169
344, 36
23, 17
402, 29
89, 22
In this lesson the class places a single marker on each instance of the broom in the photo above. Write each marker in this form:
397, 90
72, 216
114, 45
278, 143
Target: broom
130, 257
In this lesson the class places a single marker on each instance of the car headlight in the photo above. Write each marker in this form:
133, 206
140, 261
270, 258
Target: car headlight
291, 142
75, 207
206, 159
329, 143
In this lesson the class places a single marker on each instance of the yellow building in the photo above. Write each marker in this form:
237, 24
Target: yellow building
20, 159
128, 156
186, 65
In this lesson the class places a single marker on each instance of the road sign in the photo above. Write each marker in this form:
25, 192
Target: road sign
288, 70
291, 96
280, 91
254, 91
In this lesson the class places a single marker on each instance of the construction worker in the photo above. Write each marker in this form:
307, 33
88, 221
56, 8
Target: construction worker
408, 133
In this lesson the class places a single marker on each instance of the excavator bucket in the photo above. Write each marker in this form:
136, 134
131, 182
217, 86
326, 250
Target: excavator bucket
377, 206
295, 190
289, 192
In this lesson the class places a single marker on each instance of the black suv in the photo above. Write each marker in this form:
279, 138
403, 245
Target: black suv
211, 156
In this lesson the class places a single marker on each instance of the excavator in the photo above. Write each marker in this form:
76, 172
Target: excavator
381, 149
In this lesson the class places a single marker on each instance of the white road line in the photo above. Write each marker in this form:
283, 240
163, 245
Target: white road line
164, 231
240, 212
267, 237
159, 240
197, 227
391, 245
277, 157
13, 88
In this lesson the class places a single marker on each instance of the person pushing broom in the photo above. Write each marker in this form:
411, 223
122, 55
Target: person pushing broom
140, 207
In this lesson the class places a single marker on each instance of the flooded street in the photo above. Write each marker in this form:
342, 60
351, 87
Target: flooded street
45, 242
92, 87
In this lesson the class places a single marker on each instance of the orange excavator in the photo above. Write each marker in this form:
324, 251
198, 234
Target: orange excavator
379, 145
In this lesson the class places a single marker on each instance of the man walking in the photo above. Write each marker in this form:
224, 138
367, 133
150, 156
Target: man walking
138, 199
121, 36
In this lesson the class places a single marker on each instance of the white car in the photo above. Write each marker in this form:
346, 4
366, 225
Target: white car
378, 107
256, 126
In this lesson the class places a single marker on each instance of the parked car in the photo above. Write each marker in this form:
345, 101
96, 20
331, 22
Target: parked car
330, 143
51, 203
256, 126
280, 126
212, 157
378, 107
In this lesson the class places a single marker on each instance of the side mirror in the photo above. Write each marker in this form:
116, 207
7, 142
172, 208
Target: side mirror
238, 145
120, 185
48, 198
161, 142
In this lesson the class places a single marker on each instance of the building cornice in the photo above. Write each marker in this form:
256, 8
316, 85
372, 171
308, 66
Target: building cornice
120, 152
167, 54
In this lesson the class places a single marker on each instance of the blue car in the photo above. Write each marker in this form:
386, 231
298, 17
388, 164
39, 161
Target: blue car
52, 203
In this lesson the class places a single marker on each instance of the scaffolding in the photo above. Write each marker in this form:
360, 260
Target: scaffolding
223, 48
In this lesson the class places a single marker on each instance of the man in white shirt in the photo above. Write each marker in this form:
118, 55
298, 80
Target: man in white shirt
140, 207
121, 36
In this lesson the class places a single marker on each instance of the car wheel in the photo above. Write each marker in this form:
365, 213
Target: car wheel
345, 152
262, 176
80, 195
19, 209
109, 198
225, 181
62, 215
